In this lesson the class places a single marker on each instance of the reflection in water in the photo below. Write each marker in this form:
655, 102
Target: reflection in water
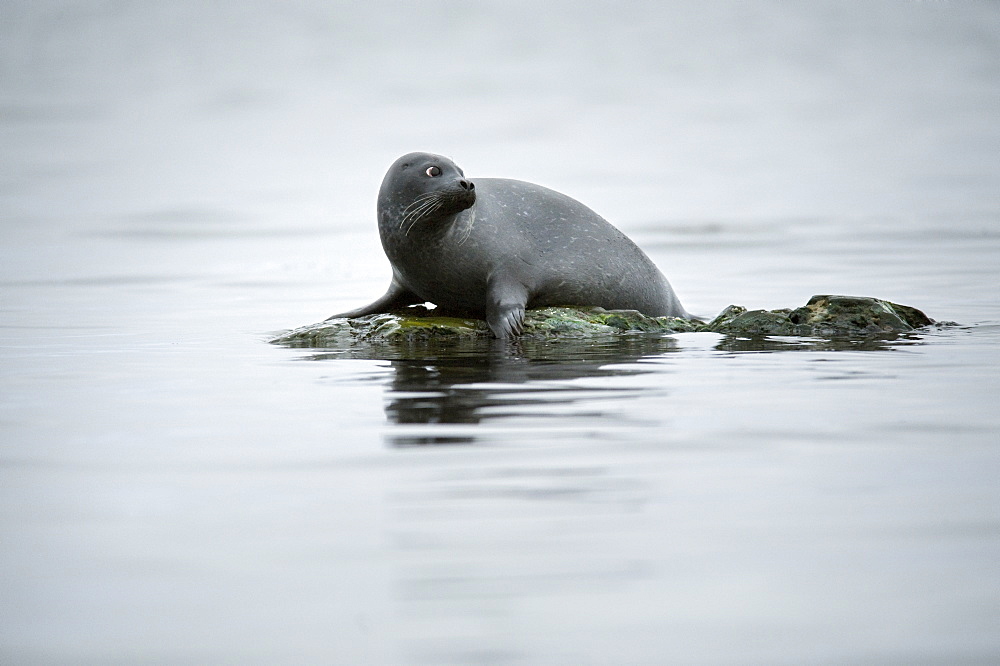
487, 382
508, 382
774, 343
470, 383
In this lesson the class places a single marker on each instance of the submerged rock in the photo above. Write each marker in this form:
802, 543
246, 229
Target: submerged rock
822, 316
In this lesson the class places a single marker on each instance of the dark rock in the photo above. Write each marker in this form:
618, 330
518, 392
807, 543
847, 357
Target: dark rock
823, 316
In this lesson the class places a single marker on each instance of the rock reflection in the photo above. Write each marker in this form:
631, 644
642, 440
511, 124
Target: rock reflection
772, 343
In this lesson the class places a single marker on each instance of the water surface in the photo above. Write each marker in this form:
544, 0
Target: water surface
179, 182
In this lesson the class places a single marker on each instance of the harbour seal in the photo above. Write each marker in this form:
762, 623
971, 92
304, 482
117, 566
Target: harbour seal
493, 248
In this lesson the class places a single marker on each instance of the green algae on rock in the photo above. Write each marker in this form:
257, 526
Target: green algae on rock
823, 316
400, 326
418, 323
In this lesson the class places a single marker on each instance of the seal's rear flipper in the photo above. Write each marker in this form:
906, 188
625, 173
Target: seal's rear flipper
396, 298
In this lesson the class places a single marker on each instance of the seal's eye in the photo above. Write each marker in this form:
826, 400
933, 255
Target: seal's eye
433, 171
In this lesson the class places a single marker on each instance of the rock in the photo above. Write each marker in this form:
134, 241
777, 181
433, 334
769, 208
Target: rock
419, 323
822, 316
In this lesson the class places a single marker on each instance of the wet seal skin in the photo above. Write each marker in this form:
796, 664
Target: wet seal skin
494, 248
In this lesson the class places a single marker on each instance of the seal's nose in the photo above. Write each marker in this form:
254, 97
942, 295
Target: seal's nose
467, 185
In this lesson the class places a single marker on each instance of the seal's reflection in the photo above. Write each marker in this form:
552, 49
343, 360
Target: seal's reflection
489, 381
506, 381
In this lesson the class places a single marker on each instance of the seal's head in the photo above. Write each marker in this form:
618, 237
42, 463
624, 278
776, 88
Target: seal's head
421, 188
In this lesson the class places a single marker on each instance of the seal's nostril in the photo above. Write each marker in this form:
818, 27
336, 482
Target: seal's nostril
466, 185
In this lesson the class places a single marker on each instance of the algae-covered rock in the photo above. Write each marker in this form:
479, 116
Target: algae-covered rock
584, 322
382, 328
822, 316
418, 323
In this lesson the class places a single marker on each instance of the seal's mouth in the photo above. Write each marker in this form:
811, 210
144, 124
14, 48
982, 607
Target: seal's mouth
464, 194
467, 196
459, 196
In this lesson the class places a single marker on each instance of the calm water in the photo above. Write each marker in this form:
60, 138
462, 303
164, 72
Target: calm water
178, 182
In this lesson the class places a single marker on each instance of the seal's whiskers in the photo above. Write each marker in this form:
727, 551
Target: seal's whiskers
414, 216
419, 200
468, 228
418, 207
423, 213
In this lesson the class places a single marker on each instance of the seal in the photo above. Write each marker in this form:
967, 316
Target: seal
493, 248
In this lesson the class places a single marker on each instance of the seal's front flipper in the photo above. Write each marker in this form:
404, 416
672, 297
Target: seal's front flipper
506, 301
395, 298
507, 324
